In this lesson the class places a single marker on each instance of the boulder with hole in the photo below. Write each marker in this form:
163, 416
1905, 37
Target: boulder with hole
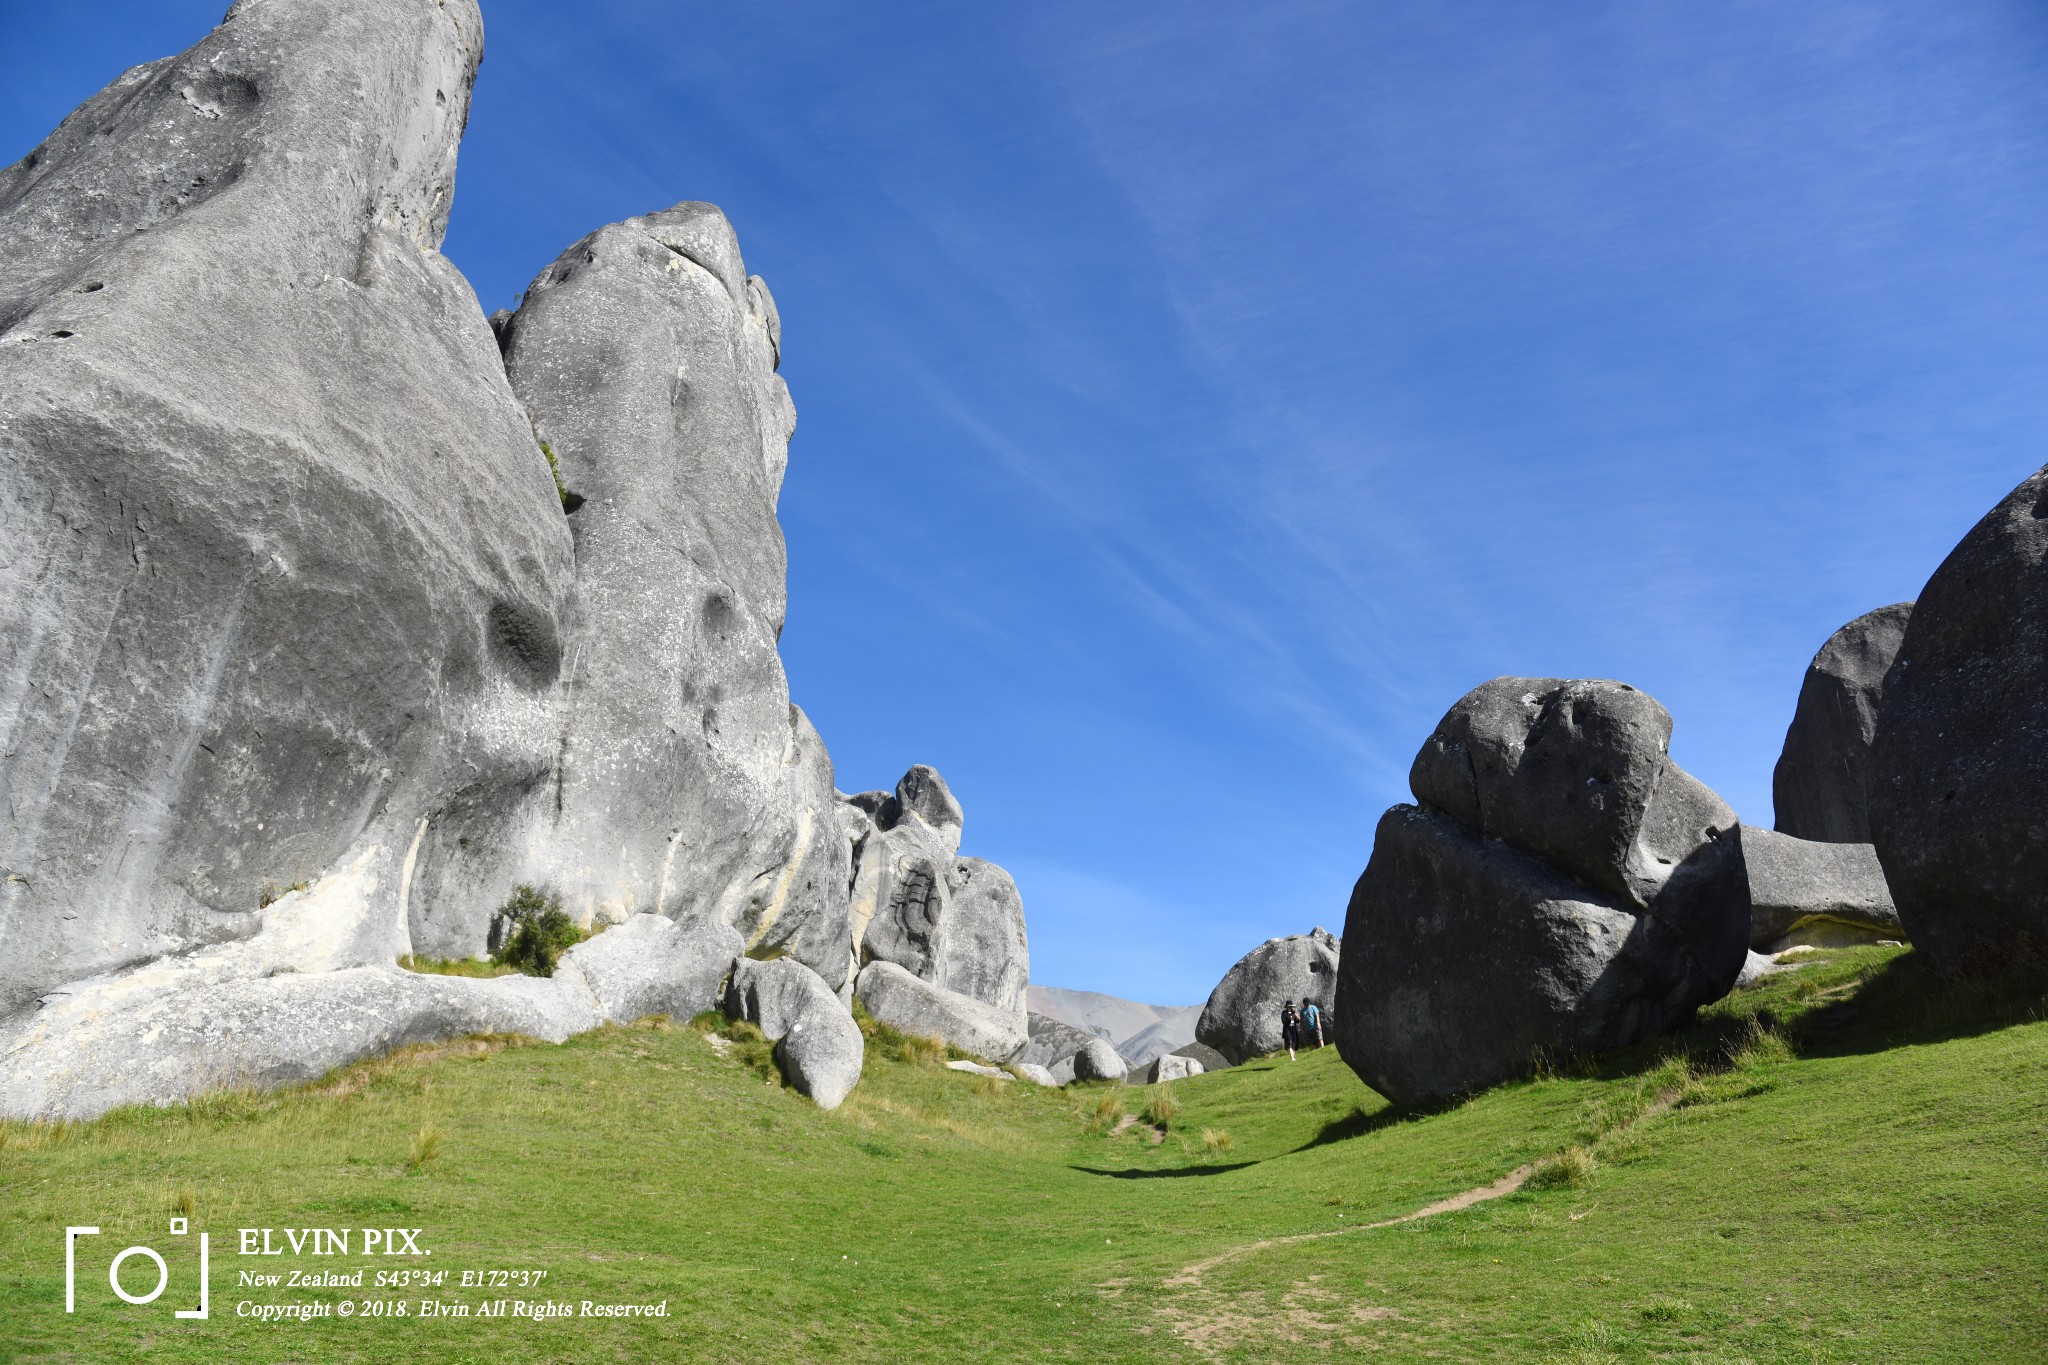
1818, 785
1242, 1017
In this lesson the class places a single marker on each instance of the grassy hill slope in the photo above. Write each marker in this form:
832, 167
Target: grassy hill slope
1849, 1163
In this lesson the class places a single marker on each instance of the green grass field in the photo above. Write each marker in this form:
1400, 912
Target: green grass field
1849, 1163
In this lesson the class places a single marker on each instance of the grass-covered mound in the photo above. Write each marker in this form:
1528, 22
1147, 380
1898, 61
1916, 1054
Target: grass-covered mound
1849, 1163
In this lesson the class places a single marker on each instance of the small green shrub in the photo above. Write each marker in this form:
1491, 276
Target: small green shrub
542, 932
570, 502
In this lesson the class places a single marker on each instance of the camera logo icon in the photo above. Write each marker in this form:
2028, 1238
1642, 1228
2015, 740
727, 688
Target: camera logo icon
179, 1228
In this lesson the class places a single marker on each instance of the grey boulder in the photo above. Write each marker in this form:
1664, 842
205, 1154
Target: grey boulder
1471, 962
1209, 1058
285, 570
955, 922
915, 1006
1818, 785
652, 965
1051, 1041
1098, 1061
1958, 787
817, 1043
1803, 892
1564, 887
1034, 1073
1168, 1066
1242, 1018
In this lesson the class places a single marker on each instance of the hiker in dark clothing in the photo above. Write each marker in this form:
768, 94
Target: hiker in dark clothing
1290, 1028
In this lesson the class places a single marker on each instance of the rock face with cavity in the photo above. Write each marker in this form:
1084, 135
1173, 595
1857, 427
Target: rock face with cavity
285, 569
684, 783
1958, 786
1242, 1018
307, 659
1563, 887
1818, 785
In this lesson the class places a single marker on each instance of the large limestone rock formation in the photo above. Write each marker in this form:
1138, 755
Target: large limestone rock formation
1814, 894
1818, 785
1242, 1018
285, 568
684, 782
1563, 887
1958, 786
956, 922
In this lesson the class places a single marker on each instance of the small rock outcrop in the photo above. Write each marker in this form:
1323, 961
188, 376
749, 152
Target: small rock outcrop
1958, 786
1814, 894
817, 1043
1563, 887
1051, 1041
652, 965
1242, 1018
1818, 785
1168, 1066
1097, 1061
956, 922
912, 1005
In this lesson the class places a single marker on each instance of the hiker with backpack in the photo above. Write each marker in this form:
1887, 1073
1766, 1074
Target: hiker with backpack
1290, 1028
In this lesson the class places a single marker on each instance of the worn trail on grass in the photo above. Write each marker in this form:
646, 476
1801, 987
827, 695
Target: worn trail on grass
1191, 1275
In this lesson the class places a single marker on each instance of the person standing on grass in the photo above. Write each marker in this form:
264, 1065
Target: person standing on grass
1290, 1028
1311, 1021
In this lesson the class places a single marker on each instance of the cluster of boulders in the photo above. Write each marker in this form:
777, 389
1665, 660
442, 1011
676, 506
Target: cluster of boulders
1561, 886
337, 612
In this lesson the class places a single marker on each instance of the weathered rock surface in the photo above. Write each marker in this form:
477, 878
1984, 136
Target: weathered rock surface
1098, 1061
1242, 1018
685, 783
652, 965
1052, 1042
817, 1043
956, 922
1470, 961
1034, 1073
1564, 888
1800, 890
1958, 788
1209, 1057
994, 1073
1818, 785
913, 1005
1166, 1067
285, 568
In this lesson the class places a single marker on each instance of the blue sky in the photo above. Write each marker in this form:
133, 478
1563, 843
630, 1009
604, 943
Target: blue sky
1196, 398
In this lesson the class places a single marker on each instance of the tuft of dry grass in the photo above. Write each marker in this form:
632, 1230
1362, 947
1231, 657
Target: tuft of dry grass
1160, 1106
426, 1145
1215, 1141
1571, 1168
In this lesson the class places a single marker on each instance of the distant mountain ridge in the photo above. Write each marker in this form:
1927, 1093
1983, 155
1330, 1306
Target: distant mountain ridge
1137, 1031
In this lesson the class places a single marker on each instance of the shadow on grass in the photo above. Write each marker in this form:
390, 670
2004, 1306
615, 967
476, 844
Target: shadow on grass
1905, 1002
1170, 1173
